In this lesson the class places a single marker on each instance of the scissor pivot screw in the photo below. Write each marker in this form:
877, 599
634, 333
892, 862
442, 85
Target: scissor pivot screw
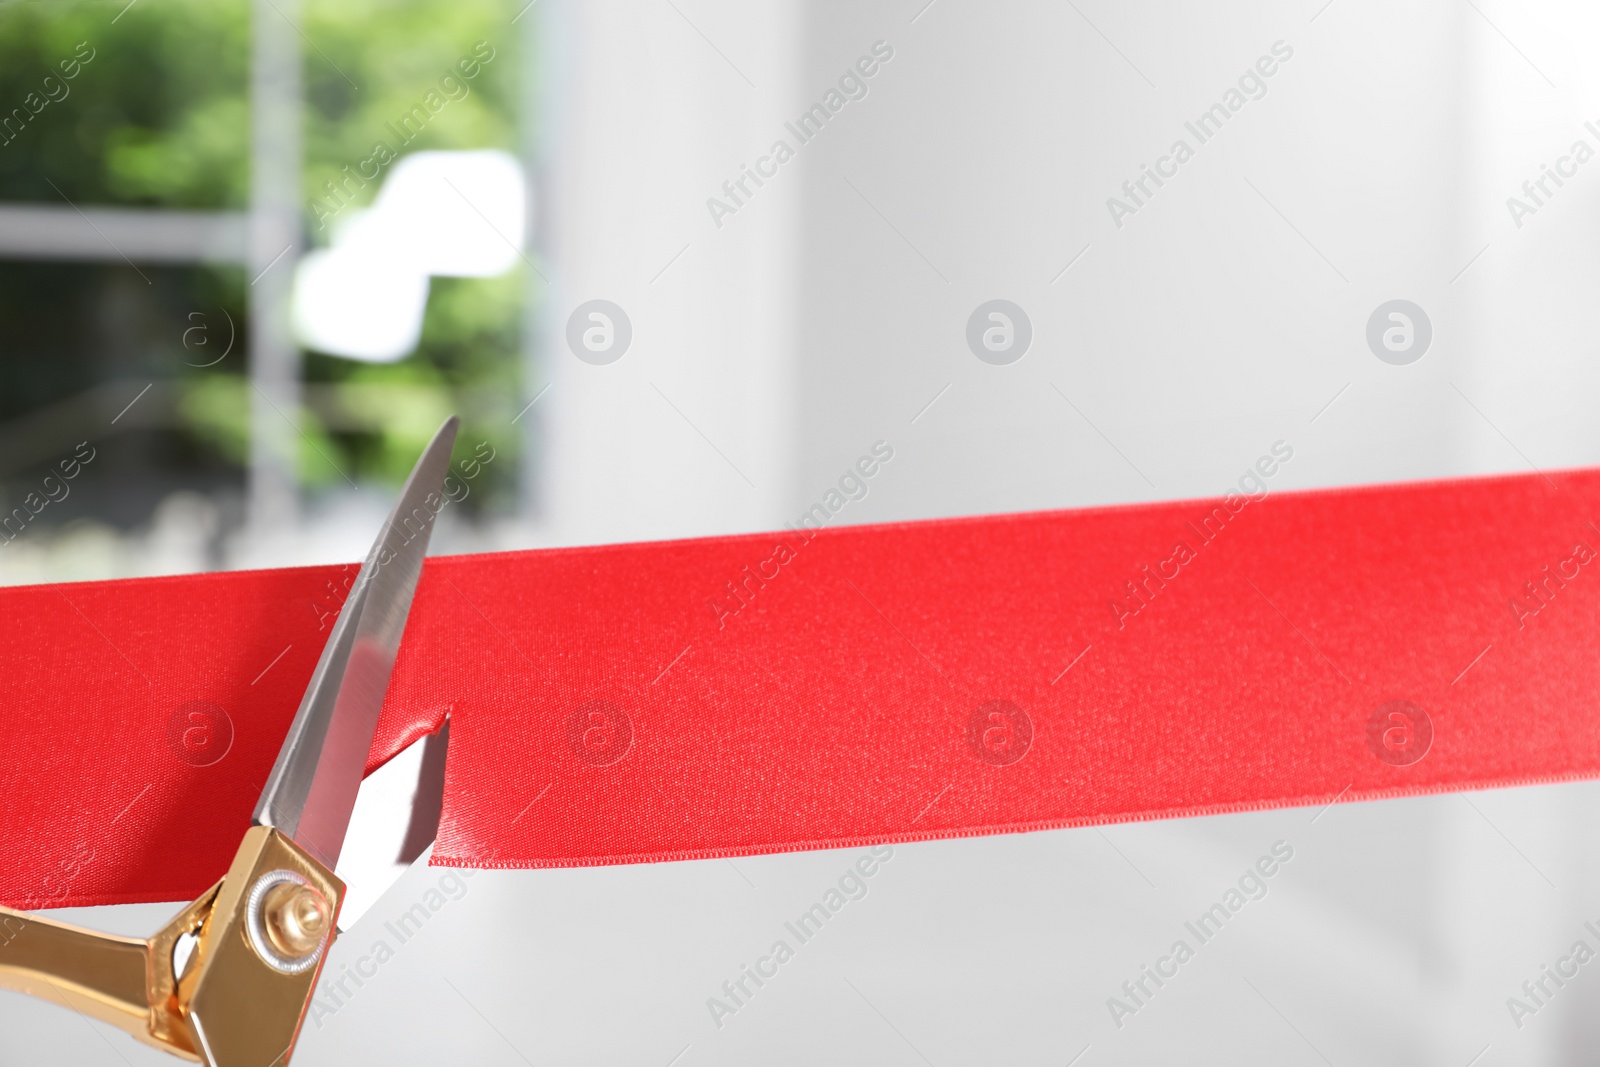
296, 918
289, 921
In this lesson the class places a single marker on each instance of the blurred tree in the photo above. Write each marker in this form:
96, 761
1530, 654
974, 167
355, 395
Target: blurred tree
159, 116
372, 61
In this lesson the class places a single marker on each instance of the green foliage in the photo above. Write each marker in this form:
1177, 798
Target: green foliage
470, 339
160, 116
217, 408
375, 60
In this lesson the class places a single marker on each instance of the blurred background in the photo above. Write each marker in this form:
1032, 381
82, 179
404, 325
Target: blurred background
167, 230
253, 251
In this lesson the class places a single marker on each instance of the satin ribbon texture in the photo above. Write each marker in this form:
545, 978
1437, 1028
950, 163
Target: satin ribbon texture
821, 688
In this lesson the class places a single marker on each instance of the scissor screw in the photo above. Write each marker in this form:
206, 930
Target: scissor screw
295, 917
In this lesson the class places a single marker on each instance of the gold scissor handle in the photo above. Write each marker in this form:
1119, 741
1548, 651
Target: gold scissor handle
242, 991
95, 974
127, 982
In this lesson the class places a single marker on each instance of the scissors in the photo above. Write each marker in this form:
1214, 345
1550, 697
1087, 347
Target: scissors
228, 980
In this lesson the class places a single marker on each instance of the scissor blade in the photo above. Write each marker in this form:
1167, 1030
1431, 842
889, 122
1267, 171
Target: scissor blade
394, 824
313, 786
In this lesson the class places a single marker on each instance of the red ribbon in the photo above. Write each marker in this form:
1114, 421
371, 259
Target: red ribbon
790, 691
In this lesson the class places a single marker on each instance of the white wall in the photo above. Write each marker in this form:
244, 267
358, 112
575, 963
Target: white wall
660, 106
